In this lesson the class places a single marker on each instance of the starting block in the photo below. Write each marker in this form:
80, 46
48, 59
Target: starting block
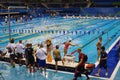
69, 59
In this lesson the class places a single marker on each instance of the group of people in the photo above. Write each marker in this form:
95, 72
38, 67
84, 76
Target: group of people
37, 57
102, 58
14, 49
18, 18
33, 57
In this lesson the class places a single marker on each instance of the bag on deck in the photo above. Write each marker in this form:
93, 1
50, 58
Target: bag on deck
49, 58
89, 67
85, 58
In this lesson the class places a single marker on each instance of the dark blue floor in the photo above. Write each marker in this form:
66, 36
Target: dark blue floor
111, 63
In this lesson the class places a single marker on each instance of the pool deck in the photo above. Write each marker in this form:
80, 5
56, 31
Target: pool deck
112, 62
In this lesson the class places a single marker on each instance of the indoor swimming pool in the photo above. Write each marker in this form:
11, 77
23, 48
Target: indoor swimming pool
84, 32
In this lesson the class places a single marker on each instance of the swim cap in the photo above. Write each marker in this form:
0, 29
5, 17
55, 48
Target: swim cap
70, 39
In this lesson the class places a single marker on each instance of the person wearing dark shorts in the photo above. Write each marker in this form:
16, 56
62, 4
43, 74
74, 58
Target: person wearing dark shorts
103, 61
11, 50
41, 54
12, 57
30, 58
19, 51
57, 57
79, 69
41, 63
19, 55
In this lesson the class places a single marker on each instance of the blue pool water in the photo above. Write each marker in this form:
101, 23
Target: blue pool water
96, 27
109, 30
21, 73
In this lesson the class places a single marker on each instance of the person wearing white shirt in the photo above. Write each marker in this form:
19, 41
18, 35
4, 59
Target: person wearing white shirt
11, 50
41, 55
19, 51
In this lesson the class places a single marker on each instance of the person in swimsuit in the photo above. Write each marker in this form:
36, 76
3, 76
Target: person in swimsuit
98, 45
57, 57
49, 45
66, 46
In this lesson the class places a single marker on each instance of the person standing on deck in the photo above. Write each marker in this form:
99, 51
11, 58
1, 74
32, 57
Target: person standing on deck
80, 68
66, 46
19, 51
49, 47
103, 61
57, 57
11, 50
31, 61
41, 54
98, 45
